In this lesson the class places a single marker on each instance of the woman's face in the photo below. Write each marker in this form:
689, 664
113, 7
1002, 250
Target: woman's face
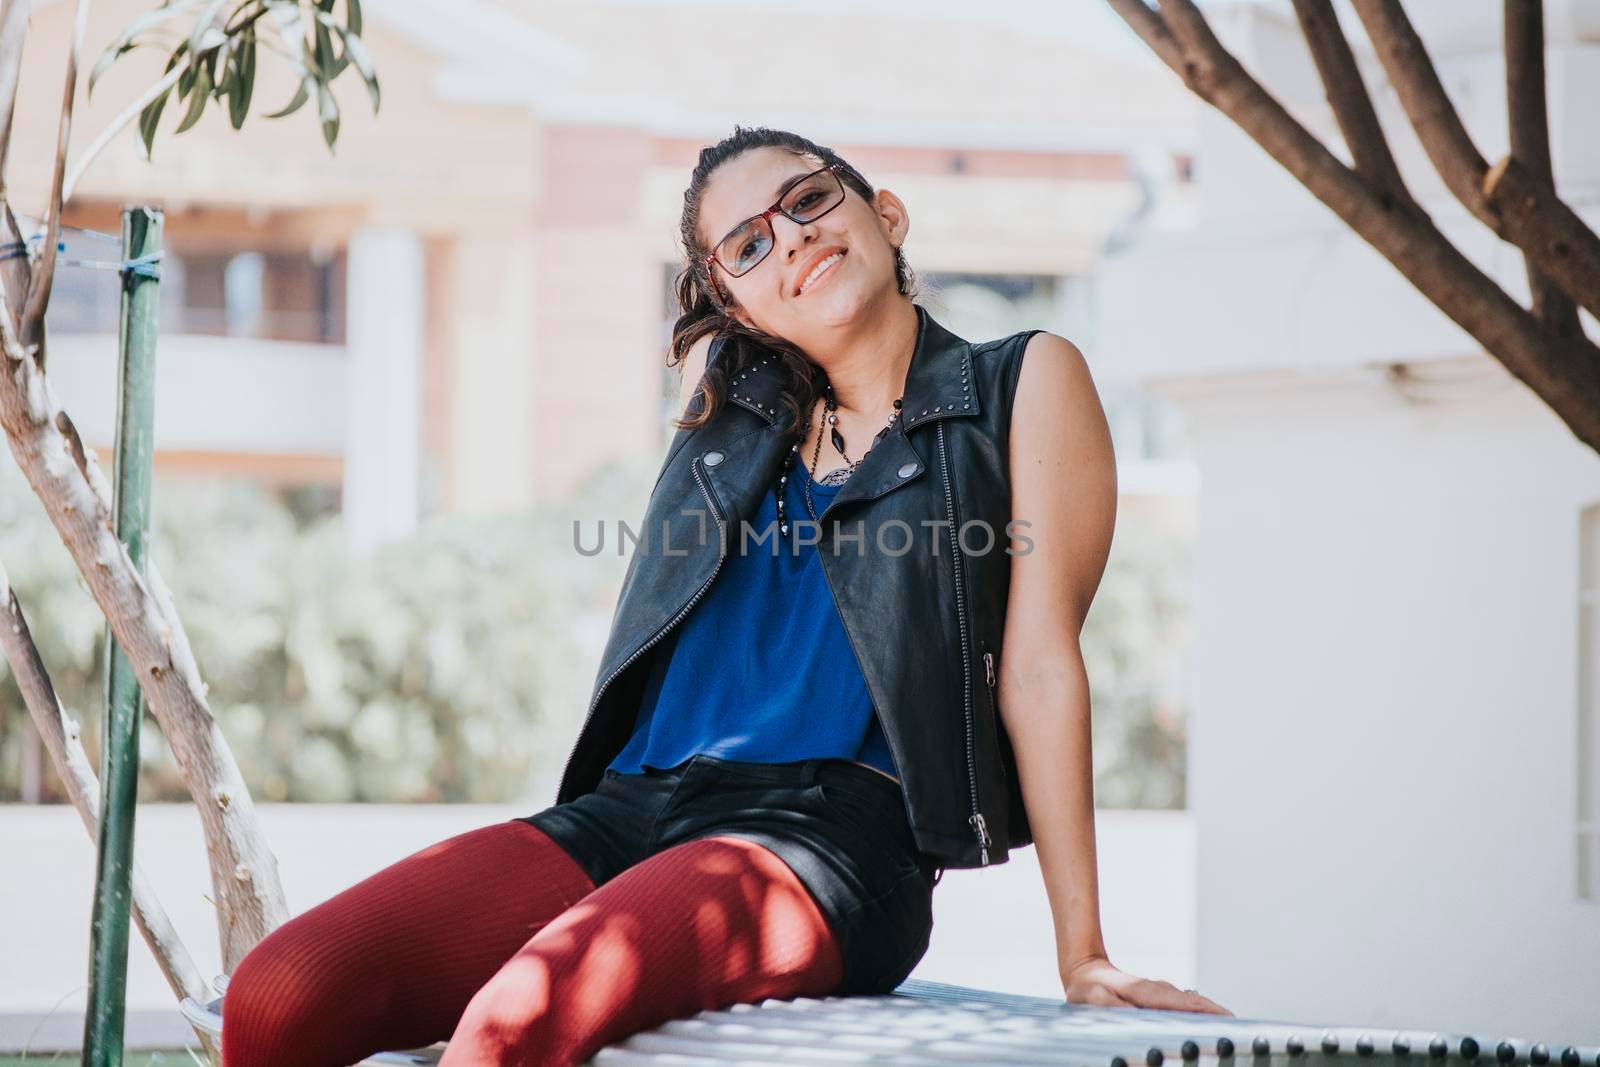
768, 297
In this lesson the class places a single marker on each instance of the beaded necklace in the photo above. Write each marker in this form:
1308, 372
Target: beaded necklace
831, 418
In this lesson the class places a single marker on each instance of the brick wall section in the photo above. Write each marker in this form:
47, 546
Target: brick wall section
597, 381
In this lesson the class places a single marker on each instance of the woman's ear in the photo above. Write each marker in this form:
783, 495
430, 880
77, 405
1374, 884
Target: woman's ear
892, 216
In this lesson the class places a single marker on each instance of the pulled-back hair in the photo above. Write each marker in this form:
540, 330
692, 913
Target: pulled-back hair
705, 307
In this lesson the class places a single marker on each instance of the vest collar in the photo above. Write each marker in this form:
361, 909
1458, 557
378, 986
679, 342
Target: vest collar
938, 382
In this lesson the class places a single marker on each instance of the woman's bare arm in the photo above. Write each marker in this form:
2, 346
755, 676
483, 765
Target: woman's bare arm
1064, 486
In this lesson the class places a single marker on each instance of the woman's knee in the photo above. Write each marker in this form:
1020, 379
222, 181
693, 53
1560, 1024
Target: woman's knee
279, 999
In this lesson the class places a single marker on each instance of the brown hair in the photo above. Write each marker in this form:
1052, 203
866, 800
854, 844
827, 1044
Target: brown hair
705, 305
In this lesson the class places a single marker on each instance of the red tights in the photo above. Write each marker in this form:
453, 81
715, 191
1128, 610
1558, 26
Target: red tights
498, 941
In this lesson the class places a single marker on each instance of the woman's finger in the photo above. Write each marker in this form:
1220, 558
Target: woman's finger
1153, 993
1196, 1002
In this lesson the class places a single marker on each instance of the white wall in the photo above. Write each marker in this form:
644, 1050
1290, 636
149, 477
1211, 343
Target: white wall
1382, 766
213, 394
991, 927
1382, 744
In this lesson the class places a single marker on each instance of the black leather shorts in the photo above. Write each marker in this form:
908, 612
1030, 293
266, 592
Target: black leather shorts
841, 827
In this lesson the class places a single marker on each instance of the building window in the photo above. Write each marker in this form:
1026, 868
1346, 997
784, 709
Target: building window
240, 292
981, 307
242, 278
1588, 740
268, 295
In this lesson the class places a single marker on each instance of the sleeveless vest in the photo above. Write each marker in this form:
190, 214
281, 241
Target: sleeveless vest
916, 548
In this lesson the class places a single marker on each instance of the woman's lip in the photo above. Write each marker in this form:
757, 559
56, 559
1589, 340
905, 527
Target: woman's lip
825, 274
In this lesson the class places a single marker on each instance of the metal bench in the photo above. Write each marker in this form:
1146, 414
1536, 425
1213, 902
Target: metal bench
928, 1023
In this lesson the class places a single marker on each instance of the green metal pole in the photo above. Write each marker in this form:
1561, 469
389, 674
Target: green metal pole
124, 703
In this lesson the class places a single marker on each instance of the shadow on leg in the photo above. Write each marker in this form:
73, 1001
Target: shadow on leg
391, 962
704, 924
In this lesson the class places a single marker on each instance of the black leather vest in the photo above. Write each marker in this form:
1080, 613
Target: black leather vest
924, 607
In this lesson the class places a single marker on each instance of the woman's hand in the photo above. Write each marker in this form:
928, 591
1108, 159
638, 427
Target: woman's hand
1093, 980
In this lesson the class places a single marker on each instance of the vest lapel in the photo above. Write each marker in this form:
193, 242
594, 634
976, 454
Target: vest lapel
745, 473
939, 385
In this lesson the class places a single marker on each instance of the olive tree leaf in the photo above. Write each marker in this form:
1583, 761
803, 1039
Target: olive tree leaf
205, 22
197, 103
219, 54
125, 41
291, 28
103, 64
326, 63
301, 95
150, 116
245, 78
148, 120
355, 52
328, 113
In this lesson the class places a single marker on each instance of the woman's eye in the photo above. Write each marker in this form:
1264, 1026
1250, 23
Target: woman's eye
808, 200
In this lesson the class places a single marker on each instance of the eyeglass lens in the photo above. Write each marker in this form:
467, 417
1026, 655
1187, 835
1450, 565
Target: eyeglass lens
807, 201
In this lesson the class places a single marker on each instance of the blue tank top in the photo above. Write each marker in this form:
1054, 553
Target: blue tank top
761, 668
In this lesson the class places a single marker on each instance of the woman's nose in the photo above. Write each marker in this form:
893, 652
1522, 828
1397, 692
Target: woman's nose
791, 235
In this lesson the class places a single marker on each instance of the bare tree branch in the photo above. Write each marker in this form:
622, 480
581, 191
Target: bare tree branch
61, 740
244, 872
1574, 264
1564, 373
13, 34
1444, 138
182, 654
77, 498
44, 277
1529, 127
1151, 29
1347, 96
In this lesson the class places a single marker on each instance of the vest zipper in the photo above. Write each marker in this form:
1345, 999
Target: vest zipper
659, 634
975, 820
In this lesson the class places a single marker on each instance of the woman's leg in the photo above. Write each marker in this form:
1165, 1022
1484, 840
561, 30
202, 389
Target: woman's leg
391, 962
702, 924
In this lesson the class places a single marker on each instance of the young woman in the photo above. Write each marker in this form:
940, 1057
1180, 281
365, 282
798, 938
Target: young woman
849, 661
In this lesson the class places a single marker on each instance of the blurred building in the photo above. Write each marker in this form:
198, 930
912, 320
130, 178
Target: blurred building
465, 308
1394, 743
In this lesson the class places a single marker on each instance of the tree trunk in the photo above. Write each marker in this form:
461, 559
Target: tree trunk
61, 740
1563, 371
68, 482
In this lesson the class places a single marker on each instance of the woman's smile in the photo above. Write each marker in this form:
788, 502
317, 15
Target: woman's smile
815, 279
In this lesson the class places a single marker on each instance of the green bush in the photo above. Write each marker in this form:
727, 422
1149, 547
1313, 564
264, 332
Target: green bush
420, 672
445, 667
1136, 643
